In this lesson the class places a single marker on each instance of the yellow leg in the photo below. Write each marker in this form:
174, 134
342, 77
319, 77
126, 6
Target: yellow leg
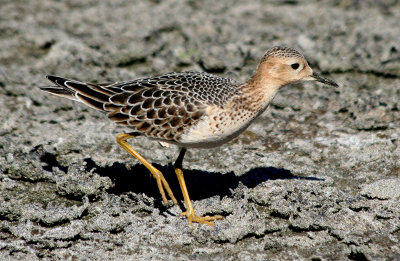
161, 182
189, 213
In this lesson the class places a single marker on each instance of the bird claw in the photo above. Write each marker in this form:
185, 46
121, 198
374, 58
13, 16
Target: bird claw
193, 217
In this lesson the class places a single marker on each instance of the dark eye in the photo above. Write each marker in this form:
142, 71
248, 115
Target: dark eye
294, 66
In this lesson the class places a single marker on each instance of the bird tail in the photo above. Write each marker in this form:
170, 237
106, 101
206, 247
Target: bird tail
93, 95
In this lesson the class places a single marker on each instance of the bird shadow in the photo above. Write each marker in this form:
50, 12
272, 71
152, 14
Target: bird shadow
201, 184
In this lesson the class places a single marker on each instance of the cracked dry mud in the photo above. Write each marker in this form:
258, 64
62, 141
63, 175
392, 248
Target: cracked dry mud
316, 177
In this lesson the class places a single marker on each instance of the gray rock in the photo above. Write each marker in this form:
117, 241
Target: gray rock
382, 189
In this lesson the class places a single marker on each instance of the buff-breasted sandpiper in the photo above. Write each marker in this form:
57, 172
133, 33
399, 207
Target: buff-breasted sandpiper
189, 109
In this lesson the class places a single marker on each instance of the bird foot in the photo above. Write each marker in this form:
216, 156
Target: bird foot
193, 217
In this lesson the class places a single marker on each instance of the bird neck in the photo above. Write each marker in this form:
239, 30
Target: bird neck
259, 91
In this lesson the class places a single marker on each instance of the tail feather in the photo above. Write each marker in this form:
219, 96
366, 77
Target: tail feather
87, 90
62, 92
91, 102
92, 95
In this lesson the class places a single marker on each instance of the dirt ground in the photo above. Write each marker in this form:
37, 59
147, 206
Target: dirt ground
316, 177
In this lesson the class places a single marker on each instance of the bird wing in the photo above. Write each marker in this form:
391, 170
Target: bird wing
161, 107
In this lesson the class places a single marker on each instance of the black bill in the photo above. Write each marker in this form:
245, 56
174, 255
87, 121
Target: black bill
323, 80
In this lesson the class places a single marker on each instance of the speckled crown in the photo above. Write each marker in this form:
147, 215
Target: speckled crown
282, 51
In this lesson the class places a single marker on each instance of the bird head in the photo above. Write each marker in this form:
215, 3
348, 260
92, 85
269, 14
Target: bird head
285, 65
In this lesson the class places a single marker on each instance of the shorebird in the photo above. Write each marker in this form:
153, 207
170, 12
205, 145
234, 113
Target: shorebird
189, 109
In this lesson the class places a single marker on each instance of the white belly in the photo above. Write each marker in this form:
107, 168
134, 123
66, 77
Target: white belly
216, 128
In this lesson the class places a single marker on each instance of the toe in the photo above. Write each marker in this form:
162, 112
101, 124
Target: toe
192, 217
